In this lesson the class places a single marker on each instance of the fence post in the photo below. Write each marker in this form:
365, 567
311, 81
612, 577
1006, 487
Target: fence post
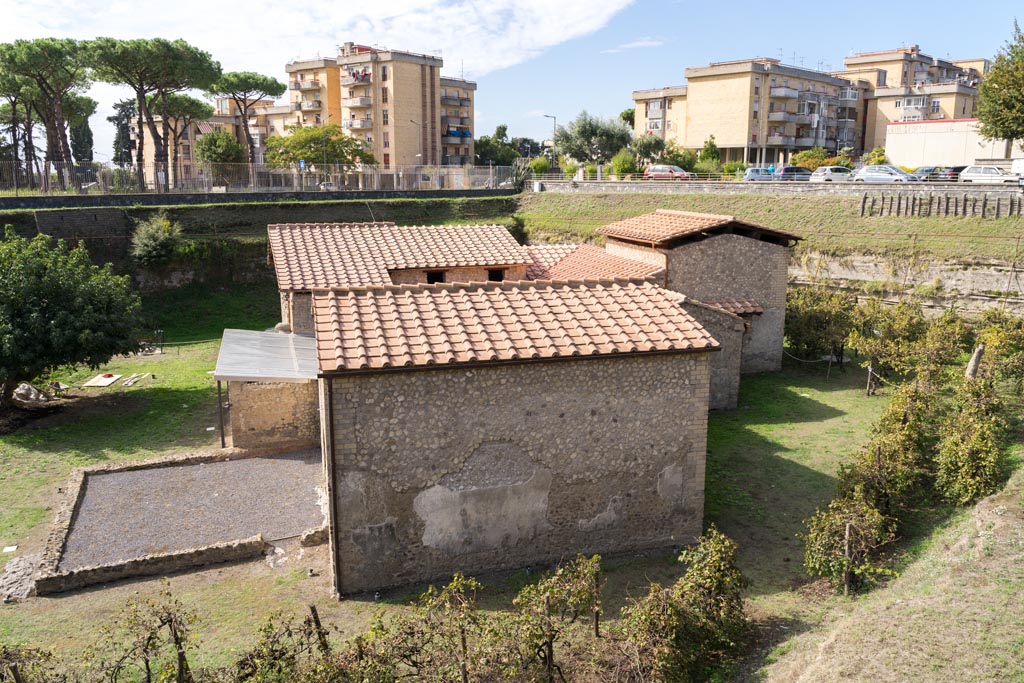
846, 568
863, 203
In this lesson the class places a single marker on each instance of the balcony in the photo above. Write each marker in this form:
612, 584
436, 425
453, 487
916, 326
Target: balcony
305, 85
464, 121
455, 140
785, 140
465, 102
456, 160
356, 102
849, 95
450, 101
785, 93
357, 124
806, 141
310, 105
788, 117
357, 79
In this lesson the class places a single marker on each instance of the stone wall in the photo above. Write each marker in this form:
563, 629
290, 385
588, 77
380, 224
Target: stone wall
636, 252
770, 188
278, 414
729, 267
300, 312
492, 467
730, 331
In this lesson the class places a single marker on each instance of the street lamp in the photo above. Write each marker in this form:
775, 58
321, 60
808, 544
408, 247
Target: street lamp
554, 129
420, 155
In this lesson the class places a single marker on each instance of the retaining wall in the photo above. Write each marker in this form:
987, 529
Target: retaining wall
775, 188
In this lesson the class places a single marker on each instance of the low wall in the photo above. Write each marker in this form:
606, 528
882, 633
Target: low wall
274, 413
151, 565
49, 579
171, 199
848, 189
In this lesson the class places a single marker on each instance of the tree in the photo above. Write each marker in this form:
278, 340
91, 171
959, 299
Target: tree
588, 138
886, 336
219, 147
57, 308
56, 67
78, 109
184, 111
818, 320
628, 116
246, 88
527, 147
710, 153
674, 155
495, 149
647, 148
328, 144
1000, 108
154, 69
876, 157
811, 158
124, 112
623, 162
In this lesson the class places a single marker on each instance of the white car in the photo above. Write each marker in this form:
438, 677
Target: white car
829, 174
992, 175
883, 174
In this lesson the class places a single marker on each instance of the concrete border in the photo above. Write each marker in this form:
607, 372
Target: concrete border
49, 579
184, 198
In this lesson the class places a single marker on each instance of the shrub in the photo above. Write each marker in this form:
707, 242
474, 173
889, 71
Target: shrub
811, 158
818, 320
734, 168
969, 454
841, 160
708, 168
875, 157
156, 240
590, 171
710, 150
887, 336
674, 155
570, 169
826, 552
540, 165
623, 162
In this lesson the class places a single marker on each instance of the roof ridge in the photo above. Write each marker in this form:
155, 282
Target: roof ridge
488, 285
700, 214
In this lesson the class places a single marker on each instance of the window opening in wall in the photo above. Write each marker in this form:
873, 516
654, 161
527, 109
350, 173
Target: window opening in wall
495, 274
435, 276
384, 95
384, 72
384, 116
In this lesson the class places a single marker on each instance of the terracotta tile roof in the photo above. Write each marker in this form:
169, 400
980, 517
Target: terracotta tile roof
665, 225
369, 328
738, 306
324, 255
582, 262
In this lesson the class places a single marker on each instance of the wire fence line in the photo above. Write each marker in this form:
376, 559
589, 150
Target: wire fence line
21, 179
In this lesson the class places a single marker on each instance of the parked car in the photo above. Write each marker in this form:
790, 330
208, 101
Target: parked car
829, 174
792, 173
663, 172
929, 173
950, 174
758, 174
326, 186
883, 174
991, 175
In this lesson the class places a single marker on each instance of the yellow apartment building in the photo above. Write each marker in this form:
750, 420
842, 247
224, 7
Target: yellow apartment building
759, 110
396, 102
762, 111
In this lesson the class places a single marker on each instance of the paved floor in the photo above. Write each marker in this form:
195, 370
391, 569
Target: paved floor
124, 515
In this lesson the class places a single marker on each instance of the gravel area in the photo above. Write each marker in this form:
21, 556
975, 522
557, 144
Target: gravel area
125, 515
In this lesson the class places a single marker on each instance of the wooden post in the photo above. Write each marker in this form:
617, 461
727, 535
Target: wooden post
872, 210
868, 391
846, 569
913, 205
975, 362
321, 635
863, 203
549, 650
999, 205
463, 669
946, 203
597, 603
220, 415
984, 205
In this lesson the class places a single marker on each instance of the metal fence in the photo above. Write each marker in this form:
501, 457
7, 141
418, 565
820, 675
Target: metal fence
20, 179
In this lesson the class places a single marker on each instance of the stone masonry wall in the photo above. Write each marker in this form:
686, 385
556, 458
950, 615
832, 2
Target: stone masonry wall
729, 330
301, 313
649, 255
731, 266
492, 467
274, 414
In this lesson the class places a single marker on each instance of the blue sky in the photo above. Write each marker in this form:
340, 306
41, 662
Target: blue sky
529, 57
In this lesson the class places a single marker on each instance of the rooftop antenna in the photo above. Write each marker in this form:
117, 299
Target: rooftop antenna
462, 69
780, 54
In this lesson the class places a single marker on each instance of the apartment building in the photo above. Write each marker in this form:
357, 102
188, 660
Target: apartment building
762, 111
396, 102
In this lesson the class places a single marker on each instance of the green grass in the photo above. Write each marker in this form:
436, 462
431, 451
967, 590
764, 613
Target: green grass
203, 310
831, 224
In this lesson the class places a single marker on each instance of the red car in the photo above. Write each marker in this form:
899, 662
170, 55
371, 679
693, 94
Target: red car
662, 172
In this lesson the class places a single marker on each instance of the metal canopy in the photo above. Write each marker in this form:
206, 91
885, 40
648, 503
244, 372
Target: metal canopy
251, 356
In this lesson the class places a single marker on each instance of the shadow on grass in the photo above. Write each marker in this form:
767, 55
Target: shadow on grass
93, 428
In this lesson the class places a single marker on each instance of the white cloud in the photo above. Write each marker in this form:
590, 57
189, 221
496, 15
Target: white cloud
636, 44
475, 37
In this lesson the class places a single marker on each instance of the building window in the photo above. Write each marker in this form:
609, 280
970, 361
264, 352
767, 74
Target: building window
384, 72
387, 160
771, 107
384, 116
386, 139
773, 81
753, 138
757, 85
495, 274
384, 95
935, 106
881, 79
435, 276
899, 103
756, 103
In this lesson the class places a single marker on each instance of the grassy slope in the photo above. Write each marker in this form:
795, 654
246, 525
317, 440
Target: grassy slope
956, 614
556, 217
